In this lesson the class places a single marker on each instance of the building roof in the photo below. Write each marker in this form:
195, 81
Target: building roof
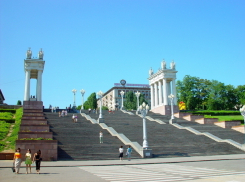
122, 88
2, 94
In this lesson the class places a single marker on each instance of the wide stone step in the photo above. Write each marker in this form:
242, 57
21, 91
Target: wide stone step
80, 141
166, 139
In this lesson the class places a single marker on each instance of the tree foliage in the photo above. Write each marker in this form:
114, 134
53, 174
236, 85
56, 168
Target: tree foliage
19, 102
131, 100
213, 95
91, 102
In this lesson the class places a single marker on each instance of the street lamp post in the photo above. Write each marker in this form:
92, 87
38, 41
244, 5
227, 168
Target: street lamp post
74, 92
171, 97
100, 95
82, 92
242, 110
122, 93
147, 152
137, 95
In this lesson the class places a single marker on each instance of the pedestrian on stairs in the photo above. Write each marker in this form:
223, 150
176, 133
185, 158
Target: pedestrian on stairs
101, 137
121, 153
73, 118
128, 153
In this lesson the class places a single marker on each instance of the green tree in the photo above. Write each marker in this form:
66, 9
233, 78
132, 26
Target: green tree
131, 100
142, 99
86, 105
92, 101
193, 91
216, 99
19, 102
240, 90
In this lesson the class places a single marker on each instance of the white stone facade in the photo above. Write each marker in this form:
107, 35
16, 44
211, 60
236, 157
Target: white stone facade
33, 70
112, 98
162, 84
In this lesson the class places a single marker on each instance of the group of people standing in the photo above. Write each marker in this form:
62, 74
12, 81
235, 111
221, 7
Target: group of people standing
128, 153
28, 160
63, 113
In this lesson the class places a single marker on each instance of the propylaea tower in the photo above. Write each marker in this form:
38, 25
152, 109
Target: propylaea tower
33, 70
162, 84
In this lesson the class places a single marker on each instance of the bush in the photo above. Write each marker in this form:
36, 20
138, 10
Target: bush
8, 110
215, 113
7, 120
104, 108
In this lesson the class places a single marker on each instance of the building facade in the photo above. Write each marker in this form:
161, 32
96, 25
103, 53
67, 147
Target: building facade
113, 99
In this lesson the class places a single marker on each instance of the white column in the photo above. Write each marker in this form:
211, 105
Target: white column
152, 96
39, 86
155, 94
160, 92
27, 86
165, 94
174, 92
168, 90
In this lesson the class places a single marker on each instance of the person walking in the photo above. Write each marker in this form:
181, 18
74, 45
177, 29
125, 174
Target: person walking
101, 137
38, 159
17, 161
73, 118
28, 161
128, 153
121, 153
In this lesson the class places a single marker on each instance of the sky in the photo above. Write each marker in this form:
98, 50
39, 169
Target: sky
92, 44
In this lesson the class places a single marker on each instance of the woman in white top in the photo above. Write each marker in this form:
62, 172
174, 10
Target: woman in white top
121, 153
101, 137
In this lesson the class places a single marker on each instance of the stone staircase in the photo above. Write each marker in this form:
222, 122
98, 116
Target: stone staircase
80, 141
167, 140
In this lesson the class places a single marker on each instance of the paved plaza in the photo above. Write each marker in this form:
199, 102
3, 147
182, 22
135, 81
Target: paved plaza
222, 168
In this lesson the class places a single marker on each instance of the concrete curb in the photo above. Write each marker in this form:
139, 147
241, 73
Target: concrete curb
130, 113
152, 119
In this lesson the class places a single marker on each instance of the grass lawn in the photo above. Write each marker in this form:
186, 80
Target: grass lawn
226, 118
9, 142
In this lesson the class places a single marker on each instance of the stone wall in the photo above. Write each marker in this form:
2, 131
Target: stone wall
47, 147
206, 120
10, 106
35, 135
227, 124
34, 125
165, 110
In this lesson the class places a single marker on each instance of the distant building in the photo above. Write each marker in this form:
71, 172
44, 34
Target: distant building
1, 97
112, 98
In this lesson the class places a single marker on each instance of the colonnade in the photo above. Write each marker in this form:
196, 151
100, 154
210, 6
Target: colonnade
160, 90
162, 84
38, 86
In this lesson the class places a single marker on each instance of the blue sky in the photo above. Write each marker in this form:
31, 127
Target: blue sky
93, 44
